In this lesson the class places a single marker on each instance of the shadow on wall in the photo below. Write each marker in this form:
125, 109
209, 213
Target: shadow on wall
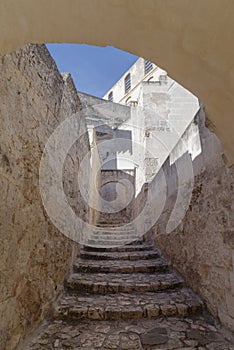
201, 247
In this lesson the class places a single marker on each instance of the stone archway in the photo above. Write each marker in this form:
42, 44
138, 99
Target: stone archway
200, 36
193, 41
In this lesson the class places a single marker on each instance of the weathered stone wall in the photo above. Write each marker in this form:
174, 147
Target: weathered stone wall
34, 256
202, 246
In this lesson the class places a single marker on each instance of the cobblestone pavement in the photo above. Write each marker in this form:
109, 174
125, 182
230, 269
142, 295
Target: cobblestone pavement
163, 333
128, 298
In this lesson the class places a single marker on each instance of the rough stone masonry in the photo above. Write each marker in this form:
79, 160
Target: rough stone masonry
34, 256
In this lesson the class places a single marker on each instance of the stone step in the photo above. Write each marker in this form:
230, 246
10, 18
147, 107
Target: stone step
118, 240
112, 223
138, 241
113, 229
115, 232
125, 306
122, 266
113, 217
141, 255
122, 223
114, 236
97, 243
122, 283
122, 248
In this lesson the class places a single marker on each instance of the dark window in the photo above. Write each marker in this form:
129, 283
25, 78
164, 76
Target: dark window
110, 96
127, 83
148, 66
128, 100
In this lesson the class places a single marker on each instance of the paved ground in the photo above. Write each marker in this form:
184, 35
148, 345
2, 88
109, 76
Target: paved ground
162, 333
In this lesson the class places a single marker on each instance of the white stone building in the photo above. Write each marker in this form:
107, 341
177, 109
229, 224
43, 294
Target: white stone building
161, 113
142, 120
127, 89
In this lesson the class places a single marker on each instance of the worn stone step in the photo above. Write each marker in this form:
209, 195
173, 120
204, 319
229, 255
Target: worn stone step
115, 283
116, 232
97, 243
113, 237
115, 240
141, 255
139, 241
112, 226
123, 225
121, 266
123, 248
125, 306
112, 222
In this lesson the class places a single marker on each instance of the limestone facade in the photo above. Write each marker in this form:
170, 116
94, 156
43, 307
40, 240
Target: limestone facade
139, 137
141, 71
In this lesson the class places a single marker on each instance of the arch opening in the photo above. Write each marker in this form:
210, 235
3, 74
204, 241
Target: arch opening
204, 68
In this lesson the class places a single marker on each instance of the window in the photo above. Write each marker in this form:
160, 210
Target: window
127, 82
110, 96
163, 125
163, 78
151, 78
148, 66
128, 100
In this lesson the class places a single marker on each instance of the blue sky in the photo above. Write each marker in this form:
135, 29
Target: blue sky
94, 69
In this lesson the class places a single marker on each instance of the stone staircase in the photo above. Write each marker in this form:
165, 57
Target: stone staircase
124, 284
112, 235
127, 297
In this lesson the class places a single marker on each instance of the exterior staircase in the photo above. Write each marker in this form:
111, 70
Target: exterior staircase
133, 282
127, 297
114, 234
